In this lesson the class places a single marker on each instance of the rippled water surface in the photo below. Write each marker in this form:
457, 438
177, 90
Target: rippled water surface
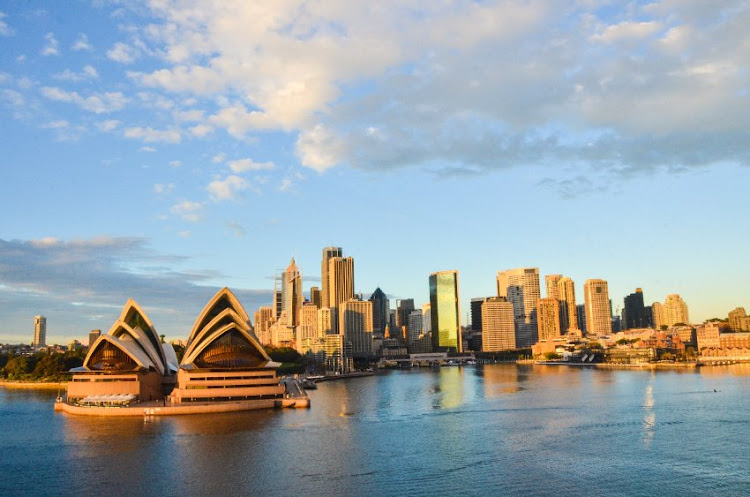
484, 430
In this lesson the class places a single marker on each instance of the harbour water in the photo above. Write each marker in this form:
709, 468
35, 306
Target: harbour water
482, 430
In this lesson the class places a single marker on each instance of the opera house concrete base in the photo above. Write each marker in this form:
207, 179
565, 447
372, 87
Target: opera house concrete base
158, 409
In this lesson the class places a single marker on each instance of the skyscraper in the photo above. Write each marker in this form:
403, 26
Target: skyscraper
657, 315
445, 309
426, 317
264, 318
598, 314
635, 314
328, 253
498, 325
567, 297
40, 331
315, 296
307, 330
340, 285
379, 311
552, 282
548, 317
291, 293
355, 318
521, 288
581, 316
404, 308
675, 310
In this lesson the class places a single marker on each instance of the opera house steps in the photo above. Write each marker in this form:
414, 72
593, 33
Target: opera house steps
224, 368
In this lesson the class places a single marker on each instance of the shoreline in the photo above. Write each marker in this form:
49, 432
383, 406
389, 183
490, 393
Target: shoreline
34, 385
612, 365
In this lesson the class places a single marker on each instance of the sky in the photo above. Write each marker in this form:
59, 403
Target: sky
163, 149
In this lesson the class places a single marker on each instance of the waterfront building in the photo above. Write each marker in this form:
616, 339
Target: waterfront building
445, 309
340, 285
328, 254
635, 314
675, 311
93, 335
548, 316
355, 318
426, 317
291, 293
40, 332
264, 319
338, 353
598, 310
315, 297
738, 320
129, 361
224, 361
521, 287
498, 325
380, 308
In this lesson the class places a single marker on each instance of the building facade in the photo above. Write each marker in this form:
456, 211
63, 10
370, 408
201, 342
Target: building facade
598, 313
380, 308
445, 310
40, 332
355, 318
328, 254
498, 325
548, 317
340, 285
521, 287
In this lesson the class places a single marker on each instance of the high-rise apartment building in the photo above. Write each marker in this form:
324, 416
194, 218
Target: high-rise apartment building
291, 293
93, 336
414, 326
355, 318
277, 302
567, 296
380, 307
548, 318
328, 253
445, 309
476, 313
340, 285
738, 320
581, 316
498, 325
40, 331
404, 308
598, 313
675, 310
325, 321
657, 315
521, 288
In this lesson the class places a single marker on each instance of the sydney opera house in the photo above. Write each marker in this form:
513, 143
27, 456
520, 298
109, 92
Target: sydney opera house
130, 370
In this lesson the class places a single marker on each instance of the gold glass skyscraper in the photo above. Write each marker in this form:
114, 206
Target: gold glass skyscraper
445, 309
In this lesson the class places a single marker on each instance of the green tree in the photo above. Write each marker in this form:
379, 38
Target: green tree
51, 366
17, 367
551, 356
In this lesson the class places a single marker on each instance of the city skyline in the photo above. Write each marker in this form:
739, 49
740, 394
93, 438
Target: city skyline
147, 155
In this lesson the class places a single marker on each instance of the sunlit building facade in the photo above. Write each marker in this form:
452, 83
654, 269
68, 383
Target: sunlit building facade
445, 310
498, 325
598, 310
521, 287
548, 318
40, 331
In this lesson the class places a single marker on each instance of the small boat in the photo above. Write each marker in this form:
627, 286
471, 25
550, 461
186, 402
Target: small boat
308, 384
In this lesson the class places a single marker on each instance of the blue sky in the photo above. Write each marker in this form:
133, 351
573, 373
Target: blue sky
160, 149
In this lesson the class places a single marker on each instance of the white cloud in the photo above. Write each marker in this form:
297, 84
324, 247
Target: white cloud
187, 210
242, 165
5, 30
218, 158
88, 72
627, 31
123, 53
97, 103
201, 130
51, 47
150, 135
161, 189
107, 125
175, 164
319, 148
227, 188
81, 43
147, 149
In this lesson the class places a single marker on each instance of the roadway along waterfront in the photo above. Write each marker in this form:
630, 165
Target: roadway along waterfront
479, 430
